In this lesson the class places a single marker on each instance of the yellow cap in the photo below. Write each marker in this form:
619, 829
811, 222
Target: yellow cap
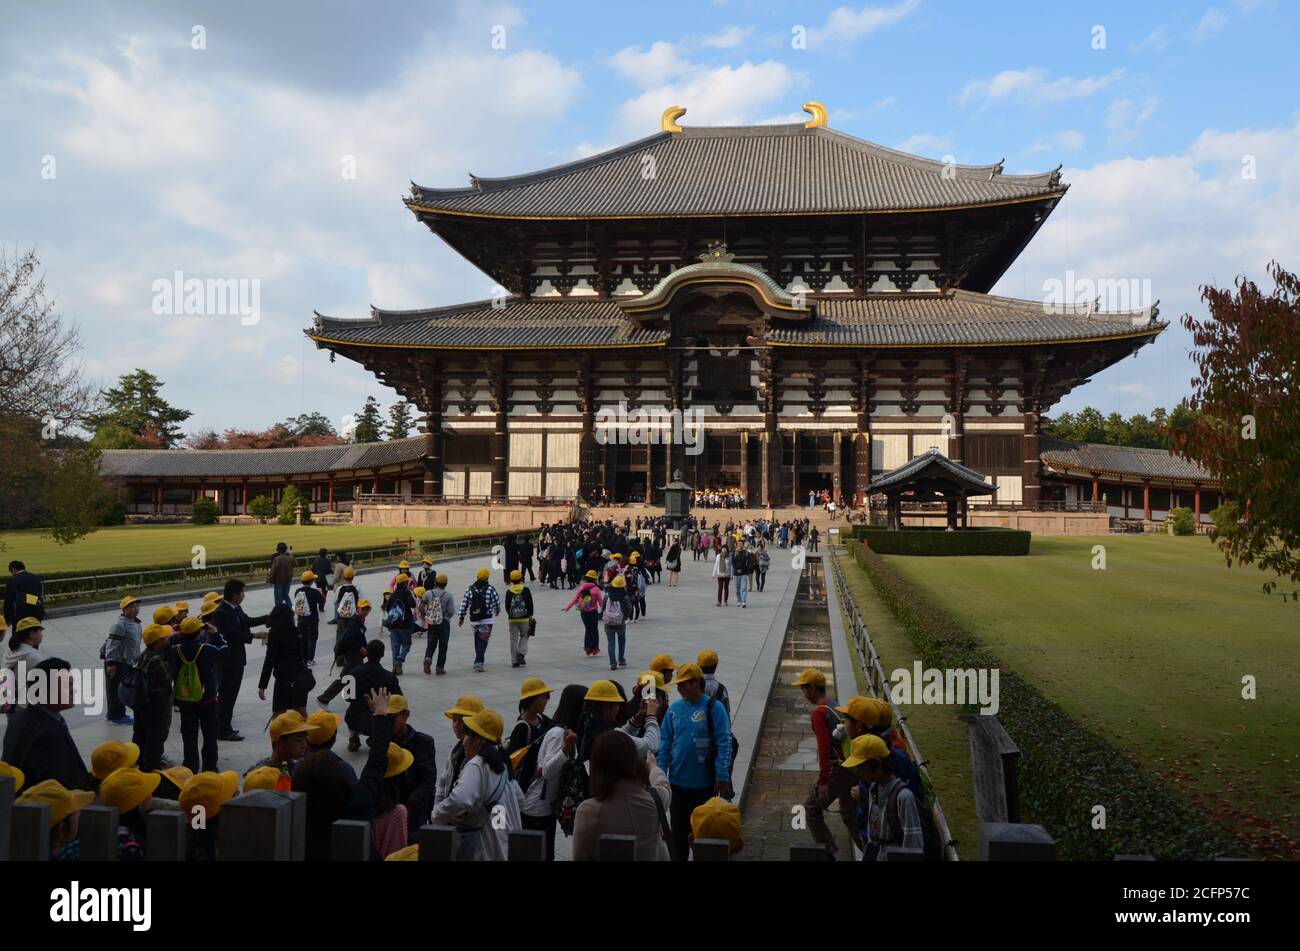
62, 802
403, 578
15, 772
884, 714
861, 709
163, 614
191, 625
3, 624
207, 608
426, 560
113, 755
307, 576
364, 604
181, 606
603, 691
322, 725
487, 724
663, 662
27, 624
419, 591
707, 658
482, 574
178, 776
656, 675
516, 575
212, 596
125, 789
533, 687
397, 704
442, 581
288, 723
126, 602
349, 573
409, 854
865, 747
688, 672
591, 575
153, 633
618, 582
399, 760
616, 557
810, 677
634, 557
209, 790
262, 777
466, 706
403, 565
717, 819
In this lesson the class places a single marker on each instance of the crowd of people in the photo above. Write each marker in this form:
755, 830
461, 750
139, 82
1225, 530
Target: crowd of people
718, 499
609, 758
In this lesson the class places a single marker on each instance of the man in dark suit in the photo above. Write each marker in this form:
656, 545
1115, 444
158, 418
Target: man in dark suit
237, 629
24, 595
38, 741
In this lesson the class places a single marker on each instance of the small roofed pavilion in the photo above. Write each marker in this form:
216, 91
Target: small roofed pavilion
931, 477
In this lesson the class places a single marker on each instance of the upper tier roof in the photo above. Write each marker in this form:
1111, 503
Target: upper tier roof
738, 170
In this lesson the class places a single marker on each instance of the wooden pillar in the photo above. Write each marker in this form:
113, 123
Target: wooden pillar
244, 508
330, 506
499, 388
744, 465
837, 465
957, 407
158, 498
1146, 501
1096, 489
1030, 493
1197, 502
773, 440
432, 395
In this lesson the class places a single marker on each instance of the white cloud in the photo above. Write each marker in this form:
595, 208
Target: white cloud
1180, 221
728, 38
656, 65
1071, 140
1157, 40
925, 143
1212, 22
1125, 116
1033, 85
846, 25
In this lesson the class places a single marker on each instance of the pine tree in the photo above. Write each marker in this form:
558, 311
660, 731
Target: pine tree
399, 420
135, 407
369, 423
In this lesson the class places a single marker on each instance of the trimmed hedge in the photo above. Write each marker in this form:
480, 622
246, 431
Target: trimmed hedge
937, 541
1065, 768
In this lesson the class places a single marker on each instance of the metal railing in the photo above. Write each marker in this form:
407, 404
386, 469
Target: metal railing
415, 498
878, 682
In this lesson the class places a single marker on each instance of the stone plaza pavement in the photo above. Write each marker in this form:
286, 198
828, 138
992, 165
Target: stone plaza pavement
681, 621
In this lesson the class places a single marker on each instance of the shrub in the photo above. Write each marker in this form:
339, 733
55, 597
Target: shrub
1226, 517
292, 504
262, 508
114, 514
1180, 521
204, 511
937, 541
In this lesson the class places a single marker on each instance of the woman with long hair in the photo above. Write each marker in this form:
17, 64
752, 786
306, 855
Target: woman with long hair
722, 572
673, 562
628, 794
483, 792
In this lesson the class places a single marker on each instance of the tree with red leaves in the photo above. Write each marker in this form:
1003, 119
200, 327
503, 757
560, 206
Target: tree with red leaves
1245, 426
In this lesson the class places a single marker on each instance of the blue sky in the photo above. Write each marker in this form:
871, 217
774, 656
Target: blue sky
225, 161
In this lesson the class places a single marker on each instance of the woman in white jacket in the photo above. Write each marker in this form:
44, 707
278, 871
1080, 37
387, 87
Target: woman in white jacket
483, 806
722, 571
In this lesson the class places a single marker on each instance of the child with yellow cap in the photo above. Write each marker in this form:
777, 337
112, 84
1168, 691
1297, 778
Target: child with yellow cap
482, 805
482, 604
120, 651
834, 784
130, 792
465, 706
65, 807
438, 609
153, 716
717, 819
201, 801
519, 609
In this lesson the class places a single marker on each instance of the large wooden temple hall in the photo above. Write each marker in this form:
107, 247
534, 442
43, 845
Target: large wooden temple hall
823, 302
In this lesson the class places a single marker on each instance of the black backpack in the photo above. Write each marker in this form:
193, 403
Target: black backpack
478, 609
132, 686
713, 745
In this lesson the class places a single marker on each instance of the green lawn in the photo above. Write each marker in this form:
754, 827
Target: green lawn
943, 739
1151, 651
133, 546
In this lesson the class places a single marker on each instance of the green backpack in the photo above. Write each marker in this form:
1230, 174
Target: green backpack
189, 685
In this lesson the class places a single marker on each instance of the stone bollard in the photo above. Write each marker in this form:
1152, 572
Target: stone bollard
711, 850
256, 827
30, 827
97, 832
1015, 842
438, 844
616, 848
527, 845
350, 841
165, 836
7, 796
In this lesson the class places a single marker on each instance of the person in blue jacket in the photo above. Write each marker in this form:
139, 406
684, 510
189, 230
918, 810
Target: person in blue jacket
695, 751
